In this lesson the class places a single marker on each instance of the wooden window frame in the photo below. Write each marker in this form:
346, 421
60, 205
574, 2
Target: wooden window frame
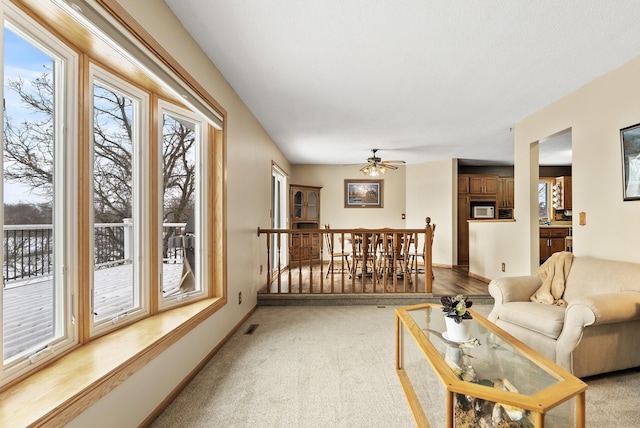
202, 162
141, 284
65, 219
83, 373
549, 183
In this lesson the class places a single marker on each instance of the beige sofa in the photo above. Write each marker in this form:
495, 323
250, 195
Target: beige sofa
598, 331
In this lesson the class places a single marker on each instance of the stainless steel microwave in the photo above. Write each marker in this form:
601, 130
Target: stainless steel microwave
480, 211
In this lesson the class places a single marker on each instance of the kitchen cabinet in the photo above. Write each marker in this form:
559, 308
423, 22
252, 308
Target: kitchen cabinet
483, 184
464, 212
463, 183
304, 206
561, 193
505, 196
552, 240
479, 188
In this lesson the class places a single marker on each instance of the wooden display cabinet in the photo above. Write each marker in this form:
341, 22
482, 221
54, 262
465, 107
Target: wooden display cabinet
304, 204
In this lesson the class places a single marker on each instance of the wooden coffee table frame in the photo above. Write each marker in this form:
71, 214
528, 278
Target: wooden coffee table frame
567, 387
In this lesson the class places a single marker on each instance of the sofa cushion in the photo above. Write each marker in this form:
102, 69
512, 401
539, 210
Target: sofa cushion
544, 319
590, 275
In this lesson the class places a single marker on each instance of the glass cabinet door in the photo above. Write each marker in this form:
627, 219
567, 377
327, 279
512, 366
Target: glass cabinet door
312, 205
298, 204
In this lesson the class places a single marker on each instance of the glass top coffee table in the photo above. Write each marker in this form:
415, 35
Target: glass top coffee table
492, 380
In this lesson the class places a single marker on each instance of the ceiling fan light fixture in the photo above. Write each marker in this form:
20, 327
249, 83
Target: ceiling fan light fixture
377, 166
373, 170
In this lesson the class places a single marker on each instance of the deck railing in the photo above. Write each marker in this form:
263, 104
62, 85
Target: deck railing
344, 261
28, 248
28, 251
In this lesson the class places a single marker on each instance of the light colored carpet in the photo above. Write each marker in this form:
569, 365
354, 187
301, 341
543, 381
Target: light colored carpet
333, 366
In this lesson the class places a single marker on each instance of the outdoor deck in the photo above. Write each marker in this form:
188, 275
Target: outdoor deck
28, 305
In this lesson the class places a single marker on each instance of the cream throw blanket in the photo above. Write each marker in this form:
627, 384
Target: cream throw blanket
553, 273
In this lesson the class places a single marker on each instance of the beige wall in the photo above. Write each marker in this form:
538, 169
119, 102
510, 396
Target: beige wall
430, 193
418, 191
595, 114
249, 154
332, 211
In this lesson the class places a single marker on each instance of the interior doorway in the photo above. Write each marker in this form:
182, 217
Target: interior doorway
278, 251
555, 194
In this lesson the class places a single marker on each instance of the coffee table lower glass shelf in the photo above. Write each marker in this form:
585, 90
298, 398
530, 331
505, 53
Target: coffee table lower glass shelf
493, 380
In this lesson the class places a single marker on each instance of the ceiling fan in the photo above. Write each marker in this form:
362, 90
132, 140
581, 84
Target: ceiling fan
376, 166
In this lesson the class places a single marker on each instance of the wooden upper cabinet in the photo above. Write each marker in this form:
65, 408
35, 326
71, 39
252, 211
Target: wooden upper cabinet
463, 183
483, 184
506, 186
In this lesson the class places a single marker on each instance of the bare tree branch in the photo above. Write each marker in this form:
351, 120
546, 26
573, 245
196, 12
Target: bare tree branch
29, 153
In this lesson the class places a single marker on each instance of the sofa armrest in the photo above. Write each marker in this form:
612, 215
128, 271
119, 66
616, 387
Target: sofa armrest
595, 309
511, 289
514, 288
605, 308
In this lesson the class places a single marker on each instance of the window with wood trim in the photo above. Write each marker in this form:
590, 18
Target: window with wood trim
181, 167
39, 222
544, 199
119, 200
89, 183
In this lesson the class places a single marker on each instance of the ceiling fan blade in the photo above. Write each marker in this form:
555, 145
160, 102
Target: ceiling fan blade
388, 166
377, 165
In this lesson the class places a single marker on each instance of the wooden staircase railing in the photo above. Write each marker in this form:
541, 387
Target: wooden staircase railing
349, 261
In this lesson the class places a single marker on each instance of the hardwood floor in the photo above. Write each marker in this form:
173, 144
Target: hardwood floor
457, 281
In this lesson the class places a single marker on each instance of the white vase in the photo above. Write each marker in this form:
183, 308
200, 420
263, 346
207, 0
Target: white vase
458, 332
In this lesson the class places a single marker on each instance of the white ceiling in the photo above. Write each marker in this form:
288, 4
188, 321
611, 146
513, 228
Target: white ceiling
421, 80
556, 150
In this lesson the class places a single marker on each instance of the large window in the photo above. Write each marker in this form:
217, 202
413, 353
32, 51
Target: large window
182, 189
39, 231
119, 124
544, 199
106, 218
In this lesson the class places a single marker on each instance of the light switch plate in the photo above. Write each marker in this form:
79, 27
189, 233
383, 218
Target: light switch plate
583, 218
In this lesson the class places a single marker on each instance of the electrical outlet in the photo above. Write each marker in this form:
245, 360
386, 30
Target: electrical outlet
503, 267
240, 297
260, 269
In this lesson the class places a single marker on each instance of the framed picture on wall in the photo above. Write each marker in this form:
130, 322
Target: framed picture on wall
363, 193
630, 138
